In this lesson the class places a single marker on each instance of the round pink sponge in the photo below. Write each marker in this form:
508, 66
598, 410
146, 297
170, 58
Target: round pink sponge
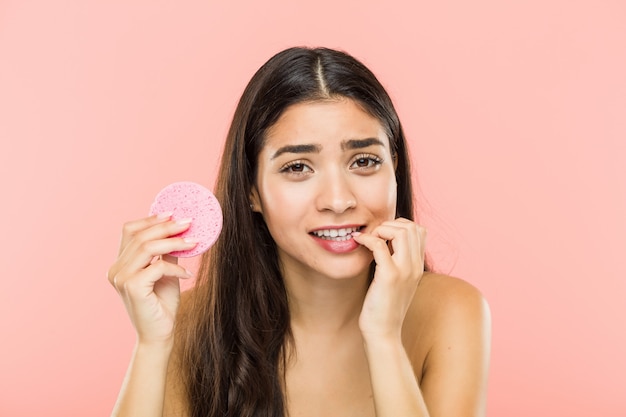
188, 200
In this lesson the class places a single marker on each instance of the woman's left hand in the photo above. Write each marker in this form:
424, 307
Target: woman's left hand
398, 249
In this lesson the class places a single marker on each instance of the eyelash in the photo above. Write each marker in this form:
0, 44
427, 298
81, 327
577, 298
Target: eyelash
372, 162
287, 168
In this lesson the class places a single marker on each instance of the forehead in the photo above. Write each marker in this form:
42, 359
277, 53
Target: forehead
325, 123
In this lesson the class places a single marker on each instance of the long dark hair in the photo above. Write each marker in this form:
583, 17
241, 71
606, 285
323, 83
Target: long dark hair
235, 335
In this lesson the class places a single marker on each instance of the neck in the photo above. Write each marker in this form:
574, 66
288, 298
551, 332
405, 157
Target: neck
320, 304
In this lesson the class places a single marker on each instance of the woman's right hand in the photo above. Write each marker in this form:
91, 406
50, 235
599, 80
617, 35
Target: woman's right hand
147, 278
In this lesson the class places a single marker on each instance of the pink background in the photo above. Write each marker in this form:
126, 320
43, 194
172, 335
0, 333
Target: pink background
516, 113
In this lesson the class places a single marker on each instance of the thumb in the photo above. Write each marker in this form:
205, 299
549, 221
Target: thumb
169, 258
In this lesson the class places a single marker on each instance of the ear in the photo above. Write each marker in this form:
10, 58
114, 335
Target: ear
255, 201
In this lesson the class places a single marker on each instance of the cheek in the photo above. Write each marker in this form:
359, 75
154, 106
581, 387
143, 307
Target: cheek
284, 199
380, 197
283, 205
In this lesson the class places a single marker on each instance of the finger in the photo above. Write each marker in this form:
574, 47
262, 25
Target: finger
416, 237
158, 231
423, 234
131, 228
400, 237
169, 258
140, 254
142, 284
378, 246
406, 241
139, 257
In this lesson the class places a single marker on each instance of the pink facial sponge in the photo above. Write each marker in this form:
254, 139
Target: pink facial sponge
188, 200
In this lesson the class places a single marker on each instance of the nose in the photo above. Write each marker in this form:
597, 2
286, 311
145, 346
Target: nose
335, 194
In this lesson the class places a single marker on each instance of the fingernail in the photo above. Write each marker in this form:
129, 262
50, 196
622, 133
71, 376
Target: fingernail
164, 215
183, 222
188, 272
190, 240
356, 234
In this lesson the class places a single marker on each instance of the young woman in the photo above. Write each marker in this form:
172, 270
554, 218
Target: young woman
315, 300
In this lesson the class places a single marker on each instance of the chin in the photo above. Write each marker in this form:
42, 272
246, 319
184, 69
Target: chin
347, 268
353, 265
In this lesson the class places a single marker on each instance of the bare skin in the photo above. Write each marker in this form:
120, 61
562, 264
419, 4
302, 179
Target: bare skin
331, 377
445, 334
409, 344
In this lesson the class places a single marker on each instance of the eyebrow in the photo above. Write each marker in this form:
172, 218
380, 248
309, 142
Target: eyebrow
360, 143
297, 149
315, 148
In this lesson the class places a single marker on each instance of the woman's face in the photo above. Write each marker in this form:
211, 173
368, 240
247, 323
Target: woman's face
326, 170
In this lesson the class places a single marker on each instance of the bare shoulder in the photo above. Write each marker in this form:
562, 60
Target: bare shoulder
445, 295
175, 403
448, 336
442, 301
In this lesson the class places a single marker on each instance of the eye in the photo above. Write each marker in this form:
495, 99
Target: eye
366, 161
296, 168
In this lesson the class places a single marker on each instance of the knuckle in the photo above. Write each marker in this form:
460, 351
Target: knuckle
134, 227
128, 228
380, 245
146, 246
114, 276
160, 265
163, 268
128, 286
111, 276
118, 282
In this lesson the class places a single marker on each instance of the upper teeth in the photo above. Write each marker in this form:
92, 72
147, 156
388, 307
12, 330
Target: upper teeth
335, 232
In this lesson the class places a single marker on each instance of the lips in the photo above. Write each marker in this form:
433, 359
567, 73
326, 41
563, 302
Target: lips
337, 239
336, 234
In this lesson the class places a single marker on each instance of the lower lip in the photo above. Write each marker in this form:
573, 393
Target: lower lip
336, 246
